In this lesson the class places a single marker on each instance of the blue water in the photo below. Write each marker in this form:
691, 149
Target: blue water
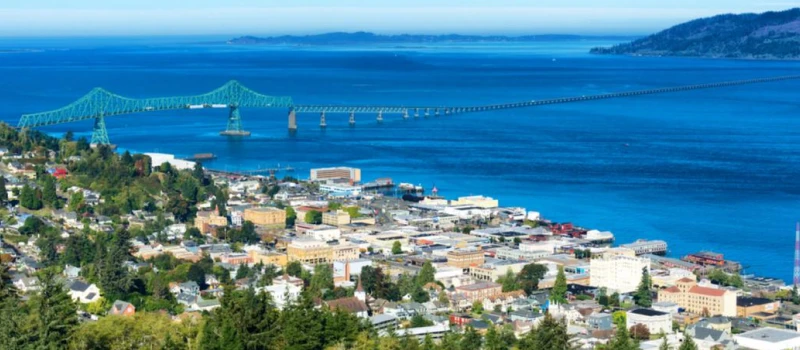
709, 169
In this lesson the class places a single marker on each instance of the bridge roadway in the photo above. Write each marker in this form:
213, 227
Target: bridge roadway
532, 103
100, 103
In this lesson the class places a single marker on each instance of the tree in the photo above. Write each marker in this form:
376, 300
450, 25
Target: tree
246, 320
550, 334
197, 172
69, 135
291, 216
243, 271
76, 201
530, 275
295, 269
477, 307
640, 331
643, 296
493, 341
688, 343
426, 274
322, 279
313, 217
49, 196
197, 274
559, 292
664, 344
471, 339
54, 315
622, 340
397, 248
795, 295
419, 321
113, 274
509, 281
3, 191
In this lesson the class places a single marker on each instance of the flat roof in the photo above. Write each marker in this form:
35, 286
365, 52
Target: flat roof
648, 312
770, 335
751, 301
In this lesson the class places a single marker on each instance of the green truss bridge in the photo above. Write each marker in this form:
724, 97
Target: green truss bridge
100, 103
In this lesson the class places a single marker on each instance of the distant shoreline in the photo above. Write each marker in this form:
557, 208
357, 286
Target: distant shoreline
371, 38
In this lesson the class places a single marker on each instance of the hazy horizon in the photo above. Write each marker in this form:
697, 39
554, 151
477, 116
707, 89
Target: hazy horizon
96, 18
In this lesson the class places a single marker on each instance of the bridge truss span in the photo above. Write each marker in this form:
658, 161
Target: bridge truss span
100, 103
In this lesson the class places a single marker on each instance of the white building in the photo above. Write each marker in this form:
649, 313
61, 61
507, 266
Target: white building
282, 293
466, 212
160, 158
655, 321
325, 233
478, 201
84, 293
617, 273
768, 339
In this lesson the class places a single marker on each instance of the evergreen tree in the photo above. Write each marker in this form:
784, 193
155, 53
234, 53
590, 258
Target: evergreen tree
244, 320
322, 279
7, 289
301, 325
688, 343
426, 274
622, 340
295, 269
471, 339
795, 295
113, 274
3, 191
493, 341
427, 343
54, 315
643, 296
664, 344
243, 271
197, 172
197, 274
559, 292
49, 196
550, 334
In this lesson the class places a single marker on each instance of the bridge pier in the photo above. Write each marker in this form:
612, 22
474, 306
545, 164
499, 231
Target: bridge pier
322, 123
436, 113
405, 114
416, 112
380, 117
99, 133
352, 118
292, 120
234, 124
427, 112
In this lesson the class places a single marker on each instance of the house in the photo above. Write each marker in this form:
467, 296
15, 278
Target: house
601, 325
351, 305
122, 308
71, 272
190, 287
283, 293
201, 304
383, 322
27, 284
768, 339
84, 293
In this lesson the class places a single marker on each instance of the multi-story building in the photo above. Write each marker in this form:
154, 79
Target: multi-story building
747, 306
344, 252
309, 251
507, 253
700, 300
267, 257
465, 258
266, 216
493, 271
337, 173
617, 273
206, 220
642, 247
235, 258
336, 218
478, 291
325, 233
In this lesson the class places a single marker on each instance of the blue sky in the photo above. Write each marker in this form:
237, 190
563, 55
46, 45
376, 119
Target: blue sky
268, 17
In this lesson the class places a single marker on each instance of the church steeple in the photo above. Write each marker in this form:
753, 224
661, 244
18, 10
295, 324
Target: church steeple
359, 293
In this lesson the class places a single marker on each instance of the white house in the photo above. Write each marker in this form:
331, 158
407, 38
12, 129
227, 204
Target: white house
283, 293
84, 293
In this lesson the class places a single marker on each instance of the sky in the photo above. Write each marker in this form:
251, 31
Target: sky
21, 18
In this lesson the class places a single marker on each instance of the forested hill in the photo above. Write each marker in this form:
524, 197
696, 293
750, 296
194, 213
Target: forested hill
770, 35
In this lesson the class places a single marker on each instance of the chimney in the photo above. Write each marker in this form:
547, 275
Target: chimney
347, 271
